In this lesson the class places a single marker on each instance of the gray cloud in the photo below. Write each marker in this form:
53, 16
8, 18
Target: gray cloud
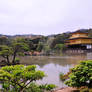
44, 16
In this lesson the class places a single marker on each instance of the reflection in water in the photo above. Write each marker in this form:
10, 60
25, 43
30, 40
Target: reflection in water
52, 71
53, 65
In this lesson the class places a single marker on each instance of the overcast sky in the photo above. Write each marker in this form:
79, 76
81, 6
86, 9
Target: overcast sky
44, 16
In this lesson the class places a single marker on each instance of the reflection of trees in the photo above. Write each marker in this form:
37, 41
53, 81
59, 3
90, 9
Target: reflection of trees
44, 60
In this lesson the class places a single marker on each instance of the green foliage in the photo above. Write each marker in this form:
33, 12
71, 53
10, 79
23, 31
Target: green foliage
33, 88
17, 47
62, 78
46, 49
47, 87
17, 60
5, 50
85, 90
60, 39
4, 40
50, 87
40, 88
21, 78
81, 75
59, 47
40, 46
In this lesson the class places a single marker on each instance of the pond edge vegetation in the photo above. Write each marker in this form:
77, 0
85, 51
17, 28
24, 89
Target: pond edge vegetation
79, 77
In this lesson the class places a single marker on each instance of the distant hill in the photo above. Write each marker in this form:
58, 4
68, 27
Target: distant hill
89, 31
31, 36
63, 36
45, 43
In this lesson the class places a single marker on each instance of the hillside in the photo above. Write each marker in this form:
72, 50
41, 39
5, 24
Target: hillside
44, 43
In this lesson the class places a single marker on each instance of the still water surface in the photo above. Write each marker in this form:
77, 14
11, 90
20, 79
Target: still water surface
54, 65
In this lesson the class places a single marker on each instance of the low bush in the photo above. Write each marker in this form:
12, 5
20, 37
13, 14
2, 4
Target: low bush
20, 78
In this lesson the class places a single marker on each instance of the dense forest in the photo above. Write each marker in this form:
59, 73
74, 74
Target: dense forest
45, 44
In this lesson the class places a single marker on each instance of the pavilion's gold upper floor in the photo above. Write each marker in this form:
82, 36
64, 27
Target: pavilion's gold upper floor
79, 38
78, 35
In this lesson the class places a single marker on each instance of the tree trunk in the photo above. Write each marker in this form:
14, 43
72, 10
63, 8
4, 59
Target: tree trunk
21, 89
8, 61
14, 56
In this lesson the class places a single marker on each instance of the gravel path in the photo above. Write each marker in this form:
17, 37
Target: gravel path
67, 89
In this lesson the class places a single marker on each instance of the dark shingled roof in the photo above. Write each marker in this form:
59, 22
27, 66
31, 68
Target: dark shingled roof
81, 31
80, 38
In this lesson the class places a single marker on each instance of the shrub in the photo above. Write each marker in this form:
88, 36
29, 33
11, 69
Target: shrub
62, 78
21, 78
81, 75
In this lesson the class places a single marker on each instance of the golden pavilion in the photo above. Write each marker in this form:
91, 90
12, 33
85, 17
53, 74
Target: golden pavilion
79, 40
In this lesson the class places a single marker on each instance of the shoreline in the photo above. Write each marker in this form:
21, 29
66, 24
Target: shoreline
65, 89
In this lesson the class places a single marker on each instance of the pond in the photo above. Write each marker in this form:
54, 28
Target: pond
54, 65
